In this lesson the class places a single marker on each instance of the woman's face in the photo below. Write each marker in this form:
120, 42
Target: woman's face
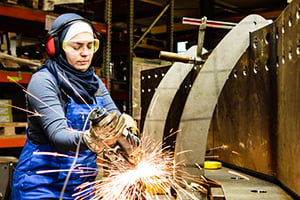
80, 50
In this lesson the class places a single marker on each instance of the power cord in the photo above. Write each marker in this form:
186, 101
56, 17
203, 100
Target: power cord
75, 158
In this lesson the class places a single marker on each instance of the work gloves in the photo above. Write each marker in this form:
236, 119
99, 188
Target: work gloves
109, 129
105, 130
129, 143
131, 125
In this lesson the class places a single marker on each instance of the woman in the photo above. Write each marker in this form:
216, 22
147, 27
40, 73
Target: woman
61, 94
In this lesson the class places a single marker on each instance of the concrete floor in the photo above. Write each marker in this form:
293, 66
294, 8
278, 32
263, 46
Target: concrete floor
240, 189
235, 187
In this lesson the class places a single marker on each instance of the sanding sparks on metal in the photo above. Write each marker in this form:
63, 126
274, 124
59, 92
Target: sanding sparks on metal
154, 174
219, 147
238, 174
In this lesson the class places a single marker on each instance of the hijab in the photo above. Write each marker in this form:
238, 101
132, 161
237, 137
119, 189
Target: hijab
75, 83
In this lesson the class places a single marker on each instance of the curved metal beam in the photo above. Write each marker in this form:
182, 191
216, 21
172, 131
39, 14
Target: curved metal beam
202, 99
160, 104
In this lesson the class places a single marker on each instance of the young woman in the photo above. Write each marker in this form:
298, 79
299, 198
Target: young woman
62, 93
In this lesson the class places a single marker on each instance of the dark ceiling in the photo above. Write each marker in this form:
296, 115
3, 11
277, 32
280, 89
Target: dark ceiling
145, 11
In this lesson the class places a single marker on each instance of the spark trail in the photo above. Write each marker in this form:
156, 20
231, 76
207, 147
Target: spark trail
32, 95
154, 174
74, 90
35, 113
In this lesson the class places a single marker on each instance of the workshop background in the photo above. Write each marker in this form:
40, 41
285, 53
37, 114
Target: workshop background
229, 92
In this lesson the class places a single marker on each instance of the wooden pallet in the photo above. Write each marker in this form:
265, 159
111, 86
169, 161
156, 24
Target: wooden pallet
10, 127
9, 138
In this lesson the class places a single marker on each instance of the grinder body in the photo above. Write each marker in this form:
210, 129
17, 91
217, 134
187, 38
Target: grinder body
130, 146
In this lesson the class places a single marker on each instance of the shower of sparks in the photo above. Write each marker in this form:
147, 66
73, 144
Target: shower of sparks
172, 133
77, 169
235, 152
154, 174
238, 174
55, 154
83, 171
219, 147
32, 95
62, 76
210, 157
35, 113
197, 165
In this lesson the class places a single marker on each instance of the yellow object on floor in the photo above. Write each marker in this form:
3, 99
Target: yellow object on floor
212, 164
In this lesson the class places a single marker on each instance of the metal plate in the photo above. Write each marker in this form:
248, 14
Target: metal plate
243, 118
288, 81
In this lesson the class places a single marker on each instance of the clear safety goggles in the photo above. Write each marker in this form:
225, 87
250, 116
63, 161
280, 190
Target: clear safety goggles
78, 46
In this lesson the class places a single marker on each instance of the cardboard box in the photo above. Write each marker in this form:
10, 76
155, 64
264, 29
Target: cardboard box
5, 110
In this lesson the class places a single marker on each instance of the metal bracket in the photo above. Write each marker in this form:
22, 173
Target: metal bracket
208, 23
181, 58
201, 34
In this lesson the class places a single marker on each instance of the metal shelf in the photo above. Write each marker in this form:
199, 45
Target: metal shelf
31, 21
14, 76
12, 141
9, 139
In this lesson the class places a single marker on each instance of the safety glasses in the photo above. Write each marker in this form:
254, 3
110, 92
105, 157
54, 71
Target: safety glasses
78, 46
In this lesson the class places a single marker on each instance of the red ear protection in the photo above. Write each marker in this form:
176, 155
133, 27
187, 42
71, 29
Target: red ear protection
52, 43
51, 46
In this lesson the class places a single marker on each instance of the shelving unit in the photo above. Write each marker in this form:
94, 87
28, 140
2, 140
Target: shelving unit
30, 22
14, 76
9, 138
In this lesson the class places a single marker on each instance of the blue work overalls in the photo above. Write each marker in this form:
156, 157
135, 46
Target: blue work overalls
29, 184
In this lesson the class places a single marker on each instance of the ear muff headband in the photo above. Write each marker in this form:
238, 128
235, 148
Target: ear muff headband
52, 39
